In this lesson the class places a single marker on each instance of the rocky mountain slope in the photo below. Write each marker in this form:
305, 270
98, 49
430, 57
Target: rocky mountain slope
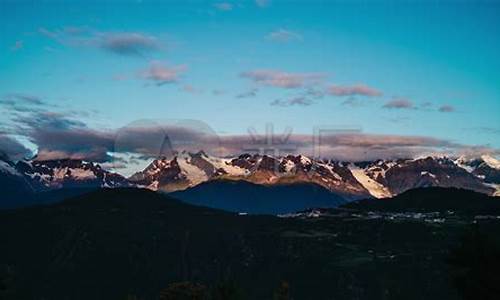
351, 181
377, 179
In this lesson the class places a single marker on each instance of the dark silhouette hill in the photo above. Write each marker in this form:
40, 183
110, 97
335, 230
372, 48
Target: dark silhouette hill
125, 243
433, 199
243, 196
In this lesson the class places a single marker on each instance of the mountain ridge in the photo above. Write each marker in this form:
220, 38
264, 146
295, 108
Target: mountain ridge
350, 180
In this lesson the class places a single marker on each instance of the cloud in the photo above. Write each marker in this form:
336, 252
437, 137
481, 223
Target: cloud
248, 94
399, 103
59, 136
446, 109
76, 30
21, 99
18, 45
29, 115
355, 90
352, 102
283, 36
77, 143
12, 148
48, 120
426, 105
299, 101
50, 34
128, 43
218, 92
262, 3
161, 74
282, 79
121, 43
223, 6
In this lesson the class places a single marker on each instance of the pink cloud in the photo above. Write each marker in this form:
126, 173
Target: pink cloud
162, 74
282, 79
355, 90
399, 103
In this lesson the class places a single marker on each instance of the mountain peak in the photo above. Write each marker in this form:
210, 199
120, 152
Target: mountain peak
491, 161
379, 178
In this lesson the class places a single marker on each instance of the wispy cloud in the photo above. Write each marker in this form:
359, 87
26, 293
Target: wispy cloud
59, 136
399, 103
352, 102
48, 33
121, 43
129, 43
282, 79
223, 6
262, 3
218, 92
354, 90
16, 99
12, 148
446, 108
248, 94
294, 101
161, 74
283, 36
314, 93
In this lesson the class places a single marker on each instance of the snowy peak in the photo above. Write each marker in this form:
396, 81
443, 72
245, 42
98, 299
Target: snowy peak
491, 162
183, 171
379, 179
187, 170
67, 173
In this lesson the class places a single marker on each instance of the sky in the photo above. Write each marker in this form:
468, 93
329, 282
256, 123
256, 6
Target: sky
419, 74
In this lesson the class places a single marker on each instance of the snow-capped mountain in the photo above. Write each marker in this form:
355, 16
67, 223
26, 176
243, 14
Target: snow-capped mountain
486, 168
187, 170
394, 177
378, 179
53, 174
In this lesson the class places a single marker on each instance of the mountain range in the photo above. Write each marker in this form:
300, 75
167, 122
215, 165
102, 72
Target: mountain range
186, 174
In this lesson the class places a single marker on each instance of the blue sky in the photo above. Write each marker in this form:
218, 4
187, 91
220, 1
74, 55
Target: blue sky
387, 68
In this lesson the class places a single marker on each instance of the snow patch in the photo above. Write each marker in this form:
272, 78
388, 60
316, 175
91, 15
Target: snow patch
496, 193
194, 174
82, 174
153, 186
330, 168
289, 165
491, 161
462, 163
305, 160
374, 188
423, 173
225, 164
